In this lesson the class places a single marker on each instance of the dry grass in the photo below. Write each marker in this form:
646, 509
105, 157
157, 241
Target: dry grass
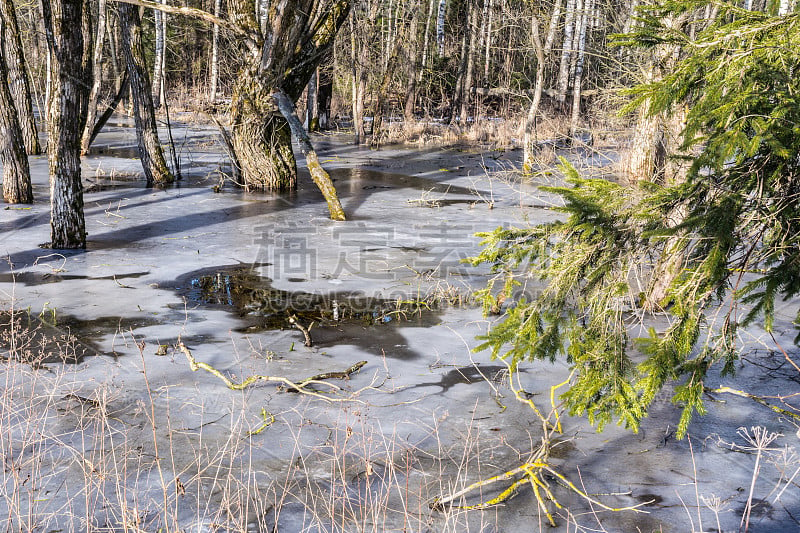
133, 452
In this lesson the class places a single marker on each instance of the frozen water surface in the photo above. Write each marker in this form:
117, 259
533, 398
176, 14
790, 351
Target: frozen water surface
127, 437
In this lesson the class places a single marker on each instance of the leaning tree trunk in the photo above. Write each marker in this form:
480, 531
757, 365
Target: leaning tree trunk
94, 94
150, 151
17, 76
71, 77
16, 172
318, 174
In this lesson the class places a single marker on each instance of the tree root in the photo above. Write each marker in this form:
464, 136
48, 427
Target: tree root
533, 472
301, 386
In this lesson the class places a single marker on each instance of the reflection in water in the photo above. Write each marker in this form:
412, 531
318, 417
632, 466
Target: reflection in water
248, 294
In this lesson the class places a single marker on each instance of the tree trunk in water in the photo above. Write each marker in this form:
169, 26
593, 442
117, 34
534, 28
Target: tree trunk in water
17, 76
318, 174
71, 78
150, 151
16, 172
94, 94
261, 138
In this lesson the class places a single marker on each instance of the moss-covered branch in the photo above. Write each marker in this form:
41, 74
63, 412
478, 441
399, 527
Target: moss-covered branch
299, 386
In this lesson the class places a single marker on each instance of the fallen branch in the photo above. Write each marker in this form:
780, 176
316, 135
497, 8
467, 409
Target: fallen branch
344, 374
301, 386
757, 399
252, 39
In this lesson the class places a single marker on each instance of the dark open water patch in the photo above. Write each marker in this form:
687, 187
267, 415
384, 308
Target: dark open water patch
338, 317
241, 290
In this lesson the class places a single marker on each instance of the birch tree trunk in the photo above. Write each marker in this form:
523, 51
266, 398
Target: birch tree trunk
17, 76
212, 93
566, 52
440, 17
158, 62
71, 78
426, 38
582, 21
16, 172
150, 151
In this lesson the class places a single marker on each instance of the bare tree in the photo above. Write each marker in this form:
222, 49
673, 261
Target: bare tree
68, 31
16, 172
94, 94
17, 76
150, 151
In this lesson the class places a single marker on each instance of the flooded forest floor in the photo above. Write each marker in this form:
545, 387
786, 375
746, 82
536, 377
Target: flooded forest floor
106, 427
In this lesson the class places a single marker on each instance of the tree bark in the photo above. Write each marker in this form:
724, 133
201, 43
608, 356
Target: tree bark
212, 97
71, 78
469, 72
414, 58
17, 76
440, 18
150, 151
529, 148
566, 52
318, 174
160, 20
324, 97
16, 172
581, 24
312, 107
261, 138
380, 97
94, 94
